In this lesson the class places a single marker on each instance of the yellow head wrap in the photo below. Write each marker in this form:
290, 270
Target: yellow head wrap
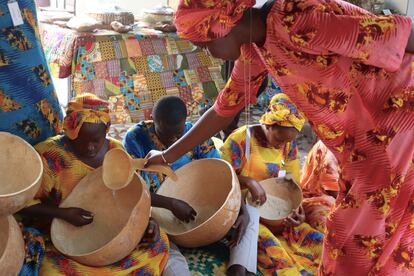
283, 112
85, 108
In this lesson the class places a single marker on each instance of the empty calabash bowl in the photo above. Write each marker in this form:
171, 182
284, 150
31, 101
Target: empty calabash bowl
119, 222
212, 188
21, 172
283, 196
11, 246
117, 169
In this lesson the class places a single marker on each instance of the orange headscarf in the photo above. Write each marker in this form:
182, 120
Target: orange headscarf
205, 20
85, 108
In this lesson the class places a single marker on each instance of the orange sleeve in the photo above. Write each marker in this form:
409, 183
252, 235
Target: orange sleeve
232, 98
379, 41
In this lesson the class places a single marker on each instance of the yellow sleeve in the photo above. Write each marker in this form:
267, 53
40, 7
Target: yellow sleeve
293, 168
233, 151
48, 181
292, 165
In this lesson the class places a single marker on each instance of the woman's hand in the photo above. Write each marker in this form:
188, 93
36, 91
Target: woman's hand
76, 216
152, 234
296, 218
155, 157
207, 126
255, 189
182, 210
239, 228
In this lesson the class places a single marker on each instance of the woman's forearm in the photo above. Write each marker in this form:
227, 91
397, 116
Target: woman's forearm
207, 126
244, 182
41, 210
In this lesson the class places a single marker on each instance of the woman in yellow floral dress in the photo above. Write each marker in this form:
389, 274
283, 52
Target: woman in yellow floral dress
67, 159
296, 249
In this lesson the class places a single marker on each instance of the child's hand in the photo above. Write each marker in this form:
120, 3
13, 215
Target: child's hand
257, 192
239, 228
76, 216
152, 234
296, 218
182, 210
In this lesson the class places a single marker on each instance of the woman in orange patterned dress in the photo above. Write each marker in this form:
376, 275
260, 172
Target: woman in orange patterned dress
319, 182
349, 72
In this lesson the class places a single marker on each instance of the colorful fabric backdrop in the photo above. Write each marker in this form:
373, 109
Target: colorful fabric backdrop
134, 70
29, 107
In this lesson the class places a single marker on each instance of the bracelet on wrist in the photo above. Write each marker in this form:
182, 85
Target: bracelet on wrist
163, 158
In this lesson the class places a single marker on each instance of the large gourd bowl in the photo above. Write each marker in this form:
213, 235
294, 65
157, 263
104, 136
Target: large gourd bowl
21, 171
11, 246
119, 222
212, 188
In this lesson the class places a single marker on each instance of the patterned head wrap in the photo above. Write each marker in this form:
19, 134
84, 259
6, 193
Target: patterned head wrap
85, 108
283, 112
205, 20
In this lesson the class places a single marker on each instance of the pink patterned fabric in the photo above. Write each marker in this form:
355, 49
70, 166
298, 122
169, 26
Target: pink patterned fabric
114, 68
204, 20
193, 61
203, 74
101, 70
347, 70
146, 47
